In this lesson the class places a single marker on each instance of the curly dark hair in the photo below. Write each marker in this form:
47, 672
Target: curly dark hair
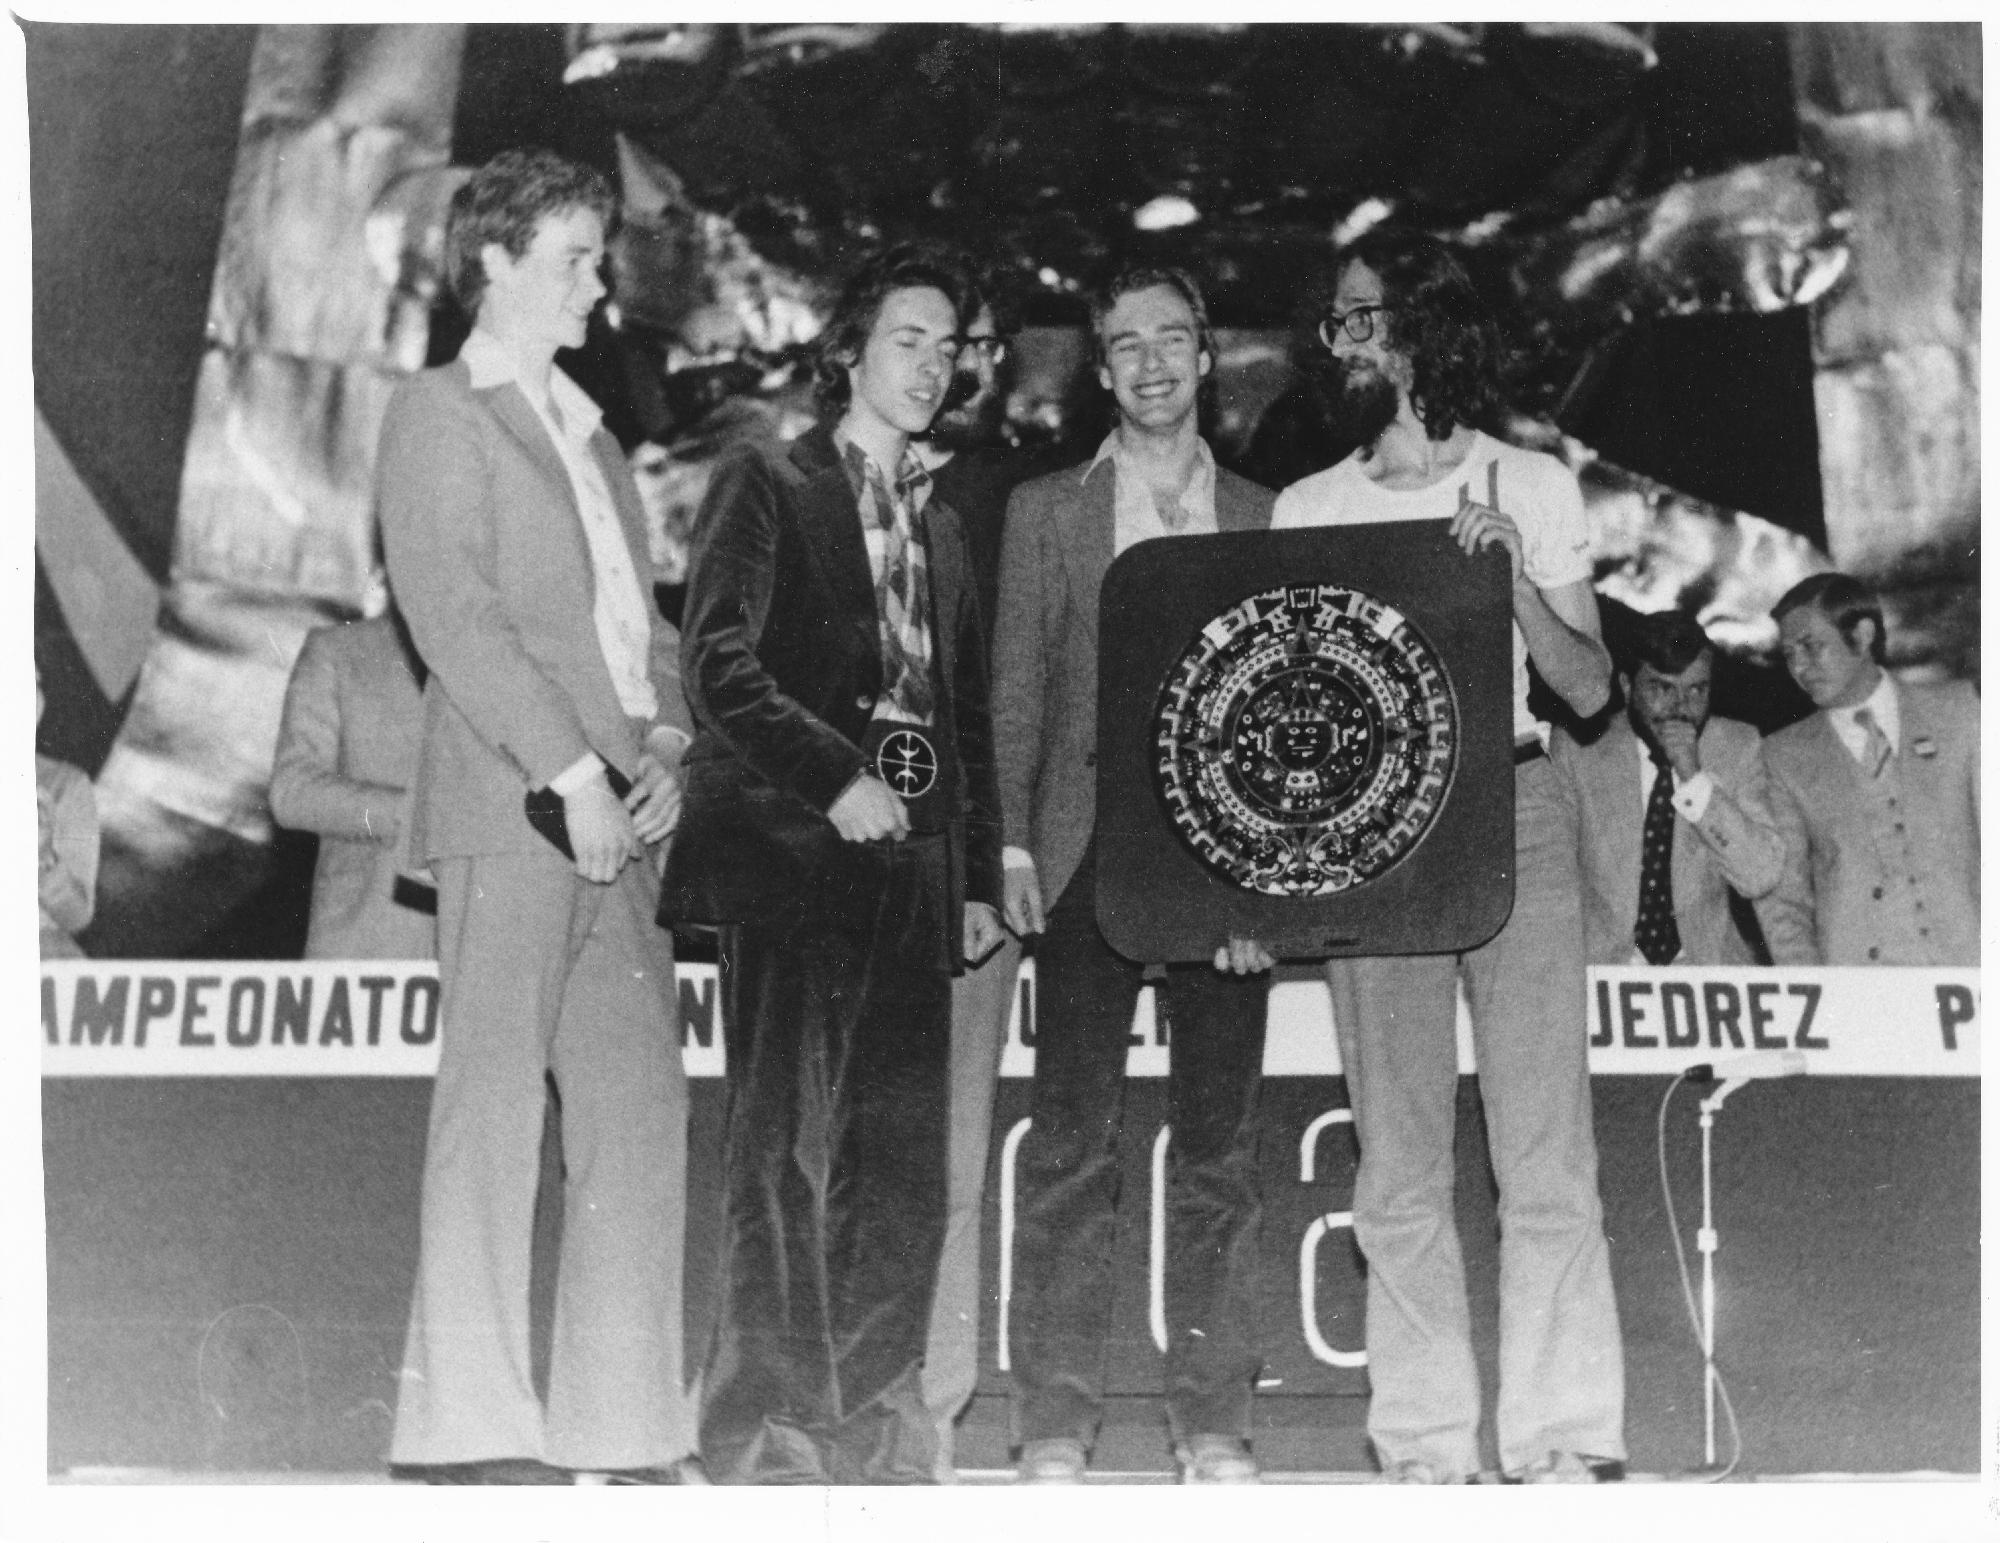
1668, 641
1435, 318
907, 265
504, 201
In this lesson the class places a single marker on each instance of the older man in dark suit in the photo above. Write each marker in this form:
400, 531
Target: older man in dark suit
517, 551
1669, 809
841, 829
1153, 477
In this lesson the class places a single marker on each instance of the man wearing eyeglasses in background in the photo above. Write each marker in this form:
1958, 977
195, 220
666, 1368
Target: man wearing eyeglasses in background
1415, 356
974, 467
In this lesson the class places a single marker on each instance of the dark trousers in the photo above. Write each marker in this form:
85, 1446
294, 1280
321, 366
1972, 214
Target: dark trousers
837, 1021
1061, 1307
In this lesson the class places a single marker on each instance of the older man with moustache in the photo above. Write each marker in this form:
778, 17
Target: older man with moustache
1669, 807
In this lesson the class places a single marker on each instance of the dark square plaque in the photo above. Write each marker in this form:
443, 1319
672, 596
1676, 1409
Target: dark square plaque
1305, 737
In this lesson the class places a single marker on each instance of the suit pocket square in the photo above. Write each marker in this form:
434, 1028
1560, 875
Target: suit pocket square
544, 808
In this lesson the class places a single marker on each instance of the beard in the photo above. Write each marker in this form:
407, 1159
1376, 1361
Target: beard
1364, 404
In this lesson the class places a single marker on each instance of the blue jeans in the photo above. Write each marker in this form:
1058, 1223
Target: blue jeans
1562, 1375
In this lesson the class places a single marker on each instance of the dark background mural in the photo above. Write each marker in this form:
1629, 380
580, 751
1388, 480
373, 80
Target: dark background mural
1741, 262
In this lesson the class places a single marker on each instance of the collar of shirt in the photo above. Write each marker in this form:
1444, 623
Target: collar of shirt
854, 460
1136, 515
1888, 718
491, 365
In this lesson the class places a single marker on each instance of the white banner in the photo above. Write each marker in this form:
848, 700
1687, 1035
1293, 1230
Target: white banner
140, 1018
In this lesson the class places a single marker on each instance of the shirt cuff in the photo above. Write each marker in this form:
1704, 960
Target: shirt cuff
1016, 857
574, 776
1691, 797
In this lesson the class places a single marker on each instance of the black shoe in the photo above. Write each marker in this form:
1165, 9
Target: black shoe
1568, 1468
492, 1470
683, 1470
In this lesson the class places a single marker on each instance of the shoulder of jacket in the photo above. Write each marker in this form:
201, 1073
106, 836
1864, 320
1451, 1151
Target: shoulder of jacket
1254, 493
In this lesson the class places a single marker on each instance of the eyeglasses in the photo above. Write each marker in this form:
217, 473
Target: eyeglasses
990, 348
1358, 324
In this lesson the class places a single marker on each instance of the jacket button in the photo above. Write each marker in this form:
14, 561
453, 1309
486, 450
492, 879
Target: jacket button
1874, 953
865, 702
1090, 758
1878, 891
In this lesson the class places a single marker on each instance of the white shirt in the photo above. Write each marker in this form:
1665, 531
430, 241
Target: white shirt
1536, 491
1888, 718
620, 610
1135, 516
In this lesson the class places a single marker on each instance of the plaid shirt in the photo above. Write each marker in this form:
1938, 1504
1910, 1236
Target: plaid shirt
892, 525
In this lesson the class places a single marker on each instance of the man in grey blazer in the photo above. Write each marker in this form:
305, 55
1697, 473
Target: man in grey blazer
1876, 796
1657, 862
517, 551
347, 748
1153, 477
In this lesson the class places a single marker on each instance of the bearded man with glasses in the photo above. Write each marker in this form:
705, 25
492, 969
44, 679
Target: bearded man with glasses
1415, 359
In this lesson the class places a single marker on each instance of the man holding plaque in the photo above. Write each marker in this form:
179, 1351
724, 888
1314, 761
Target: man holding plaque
1415, 358
1153, 477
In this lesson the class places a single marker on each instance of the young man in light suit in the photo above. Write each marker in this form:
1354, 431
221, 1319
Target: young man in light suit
1669, 809
1876, 796
517, 551
1154, 476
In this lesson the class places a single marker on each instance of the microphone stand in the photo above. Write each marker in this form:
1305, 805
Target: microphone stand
1706, 1242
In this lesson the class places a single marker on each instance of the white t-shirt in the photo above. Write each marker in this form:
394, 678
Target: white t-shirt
1534, 490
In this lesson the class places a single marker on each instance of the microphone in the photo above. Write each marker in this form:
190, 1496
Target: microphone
1739, 1069
1743, 1068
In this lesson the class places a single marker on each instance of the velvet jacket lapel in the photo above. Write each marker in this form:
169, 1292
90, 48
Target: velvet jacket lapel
832, 523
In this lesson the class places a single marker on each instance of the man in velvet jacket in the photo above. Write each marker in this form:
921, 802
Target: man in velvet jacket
840, 826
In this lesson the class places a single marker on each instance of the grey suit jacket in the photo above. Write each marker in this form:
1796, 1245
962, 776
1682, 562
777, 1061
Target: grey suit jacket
492, 572
1854, 892
347, 748
1057, 545
1736, 844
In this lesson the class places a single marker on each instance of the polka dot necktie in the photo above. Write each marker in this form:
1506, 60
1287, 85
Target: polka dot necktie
1656, 933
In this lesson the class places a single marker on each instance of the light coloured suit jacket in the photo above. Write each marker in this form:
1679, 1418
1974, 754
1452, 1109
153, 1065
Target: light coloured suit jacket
1058, 542
1736, 845
347, 749
492, 572
1856, 889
